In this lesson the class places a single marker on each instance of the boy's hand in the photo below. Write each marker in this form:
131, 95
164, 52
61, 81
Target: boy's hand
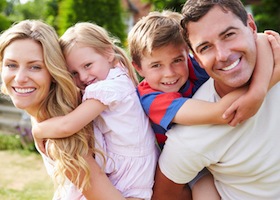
243, 110
274, 40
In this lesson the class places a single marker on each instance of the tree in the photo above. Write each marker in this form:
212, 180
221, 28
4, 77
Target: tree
105, 13
4, 21
266, 12
267, 15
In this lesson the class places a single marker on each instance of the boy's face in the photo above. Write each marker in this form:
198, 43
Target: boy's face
166, 69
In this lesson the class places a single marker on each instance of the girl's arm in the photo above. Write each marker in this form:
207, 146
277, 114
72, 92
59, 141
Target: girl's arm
236, 106
67, 125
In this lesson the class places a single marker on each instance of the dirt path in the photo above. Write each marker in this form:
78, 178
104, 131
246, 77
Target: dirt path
19, 172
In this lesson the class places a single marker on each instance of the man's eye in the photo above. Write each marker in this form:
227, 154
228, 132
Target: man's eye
229, 34
204, 48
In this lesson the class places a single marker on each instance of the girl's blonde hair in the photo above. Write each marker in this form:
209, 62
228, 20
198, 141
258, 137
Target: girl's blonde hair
96, 37
68, 153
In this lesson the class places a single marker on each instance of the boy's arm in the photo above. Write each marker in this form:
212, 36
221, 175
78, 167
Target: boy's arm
249, 103
274, 39
64, 126
196, 112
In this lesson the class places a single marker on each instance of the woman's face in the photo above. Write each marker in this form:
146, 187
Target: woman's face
25, 75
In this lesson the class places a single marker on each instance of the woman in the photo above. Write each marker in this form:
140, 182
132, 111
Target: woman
35, 76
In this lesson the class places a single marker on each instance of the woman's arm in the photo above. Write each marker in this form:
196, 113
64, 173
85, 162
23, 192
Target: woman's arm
64, 126
100, 186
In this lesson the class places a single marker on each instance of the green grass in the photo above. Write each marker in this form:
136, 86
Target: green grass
23, 177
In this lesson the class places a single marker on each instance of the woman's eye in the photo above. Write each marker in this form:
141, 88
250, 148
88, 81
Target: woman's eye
11, 66
36, 67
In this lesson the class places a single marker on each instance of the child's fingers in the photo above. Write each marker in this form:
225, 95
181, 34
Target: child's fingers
230, 111
271, 32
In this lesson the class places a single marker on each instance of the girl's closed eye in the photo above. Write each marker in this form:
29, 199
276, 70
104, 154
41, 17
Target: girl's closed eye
74, 74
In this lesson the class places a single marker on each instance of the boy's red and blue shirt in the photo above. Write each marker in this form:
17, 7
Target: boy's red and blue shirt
162, 107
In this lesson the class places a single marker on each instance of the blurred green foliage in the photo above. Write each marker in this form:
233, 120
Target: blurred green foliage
64, 13
266, 12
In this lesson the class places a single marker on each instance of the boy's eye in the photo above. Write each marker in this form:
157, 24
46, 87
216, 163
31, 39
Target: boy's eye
177, 60
156, 65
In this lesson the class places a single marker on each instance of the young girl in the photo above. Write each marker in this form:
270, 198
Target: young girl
105, 75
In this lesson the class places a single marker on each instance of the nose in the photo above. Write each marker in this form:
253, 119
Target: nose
83, 76
222, 52
21, 75
168, 71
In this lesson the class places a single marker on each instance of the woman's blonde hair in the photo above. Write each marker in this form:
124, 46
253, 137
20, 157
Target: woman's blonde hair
93, 36
68, 153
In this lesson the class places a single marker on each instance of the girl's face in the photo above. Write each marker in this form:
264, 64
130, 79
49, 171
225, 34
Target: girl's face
87, 66
25, 75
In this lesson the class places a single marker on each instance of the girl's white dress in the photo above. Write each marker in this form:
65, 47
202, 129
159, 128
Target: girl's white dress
124, 133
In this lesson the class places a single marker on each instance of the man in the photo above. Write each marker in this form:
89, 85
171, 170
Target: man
244, 160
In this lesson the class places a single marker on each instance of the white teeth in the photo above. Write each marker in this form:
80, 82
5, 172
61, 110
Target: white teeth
24, 90
170, 83
233, 65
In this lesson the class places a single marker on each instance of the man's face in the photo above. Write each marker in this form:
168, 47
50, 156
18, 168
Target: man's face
225, 48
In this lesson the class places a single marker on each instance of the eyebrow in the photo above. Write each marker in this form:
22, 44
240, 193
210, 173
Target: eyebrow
220, 35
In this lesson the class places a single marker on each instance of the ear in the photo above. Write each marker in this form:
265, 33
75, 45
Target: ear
252, 25
137, 68
111, 55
